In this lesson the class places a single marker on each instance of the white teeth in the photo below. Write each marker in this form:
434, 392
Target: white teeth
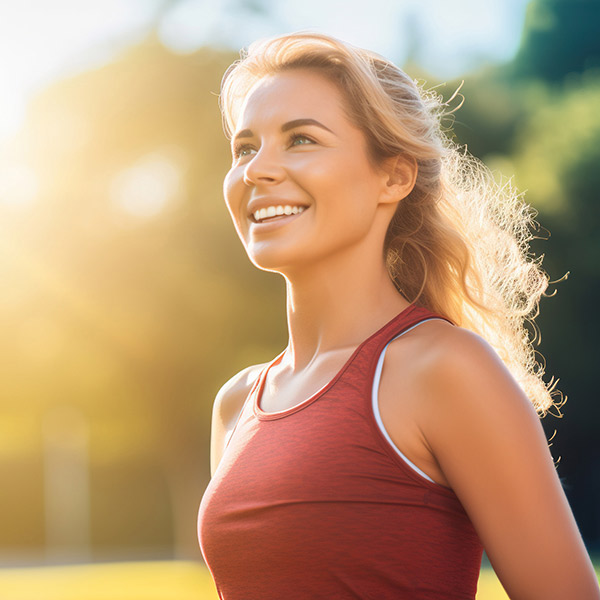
272, 211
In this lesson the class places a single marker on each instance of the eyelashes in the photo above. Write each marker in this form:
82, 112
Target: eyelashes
238, 149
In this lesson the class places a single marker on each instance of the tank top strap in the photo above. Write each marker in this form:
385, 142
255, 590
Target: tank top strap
247, 405
406, 320
362, 369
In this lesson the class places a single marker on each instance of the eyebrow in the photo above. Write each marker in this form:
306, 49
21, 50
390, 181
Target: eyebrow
245, 133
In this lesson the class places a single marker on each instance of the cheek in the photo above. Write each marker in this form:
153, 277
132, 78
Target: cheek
342, 185
322, 179
231, 192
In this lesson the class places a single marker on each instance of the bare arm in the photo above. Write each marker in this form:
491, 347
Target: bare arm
490, 444
226, 410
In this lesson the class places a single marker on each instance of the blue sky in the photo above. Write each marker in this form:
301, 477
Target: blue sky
451, 37
41, 41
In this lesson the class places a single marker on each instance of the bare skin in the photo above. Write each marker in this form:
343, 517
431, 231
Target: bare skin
447, 400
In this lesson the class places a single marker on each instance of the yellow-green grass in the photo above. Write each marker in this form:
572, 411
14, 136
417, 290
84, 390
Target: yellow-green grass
142, 581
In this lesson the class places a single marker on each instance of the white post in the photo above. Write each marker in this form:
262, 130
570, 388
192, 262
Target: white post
66, 484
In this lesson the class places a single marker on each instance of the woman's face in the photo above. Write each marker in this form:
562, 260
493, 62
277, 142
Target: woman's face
301, 187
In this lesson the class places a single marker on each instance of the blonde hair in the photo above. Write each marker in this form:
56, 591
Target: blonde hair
459, 243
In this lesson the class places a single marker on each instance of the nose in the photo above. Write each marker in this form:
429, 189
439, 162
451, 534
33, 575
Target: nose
263, 168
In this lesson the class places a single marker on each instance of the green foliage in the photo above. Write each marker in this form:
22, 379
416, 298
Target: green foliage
491, 115
548, 137
556, 150
557, 157
561, 37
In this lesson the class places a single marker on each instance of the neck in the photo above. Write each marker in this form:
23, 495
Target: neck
337, 304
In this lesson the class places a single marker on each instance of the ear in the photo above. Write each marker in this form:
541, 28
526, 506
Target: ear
399, 177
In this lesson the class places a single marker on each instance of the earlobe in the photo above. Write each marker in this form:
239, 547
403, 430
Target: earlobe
401, 174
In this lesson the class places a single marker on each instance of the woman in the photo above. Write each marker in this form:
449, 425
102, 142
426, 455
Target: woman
396, 436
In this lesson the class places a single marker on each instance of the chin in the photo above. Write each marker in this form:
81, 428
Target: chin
272, 260
264, 264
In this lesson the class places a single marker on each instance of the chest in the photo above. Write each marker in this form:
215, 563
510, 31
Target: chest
281, 391
398, 407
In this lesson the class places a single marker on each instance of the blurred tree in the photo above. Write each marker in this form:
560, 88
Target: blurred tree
129, 260
491, 115
560, 37
550, 140
556, 160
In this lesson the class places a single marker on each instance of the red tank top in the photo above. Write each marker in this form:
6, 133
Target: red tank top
314, 503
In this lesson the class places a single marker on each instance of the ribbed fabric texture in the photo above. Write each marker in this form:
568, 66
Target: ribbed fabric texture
313, 503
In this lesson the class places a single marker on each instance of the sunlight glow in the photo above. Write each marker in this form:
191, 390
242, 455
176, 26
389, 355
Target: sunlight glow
18, 184
42, 41
40, 340
145, 189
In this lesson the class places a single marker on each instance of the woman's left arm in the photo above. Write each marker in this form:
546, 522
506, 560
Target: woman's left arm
491, 446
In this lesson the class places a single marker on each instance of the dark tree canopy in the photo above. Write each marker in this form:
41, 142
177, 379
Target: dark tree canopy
561, 37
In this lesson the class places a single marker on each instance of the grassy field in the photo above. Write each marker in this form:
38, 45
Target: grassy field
140, 581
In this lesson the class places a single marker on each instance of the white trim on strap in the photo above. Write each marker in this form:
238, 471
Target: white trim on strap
374, 395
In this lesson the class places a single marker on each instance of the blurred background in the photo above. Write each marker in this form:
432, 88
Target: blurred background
126, 299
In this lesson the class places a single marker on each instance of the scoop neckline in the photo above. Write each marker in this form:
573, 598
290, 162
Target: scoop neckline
269, 416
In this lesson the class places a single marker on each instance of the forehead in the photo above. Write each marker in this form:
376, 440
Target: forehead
296, 93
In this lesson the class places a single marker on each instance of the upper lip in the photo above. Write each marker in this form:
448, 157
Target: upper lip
265, 202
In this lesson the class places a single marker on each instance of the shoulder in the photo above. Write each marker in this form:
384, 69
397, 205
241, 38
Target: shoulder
471, 400
462, 382
454, 368
439, 340
462, 371
444, 390
477, 422
472, 415
232, 394
227, 406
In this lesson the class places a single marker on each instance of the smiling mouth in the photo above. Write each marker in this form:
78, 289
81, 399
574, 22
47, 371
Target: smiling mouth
276, 213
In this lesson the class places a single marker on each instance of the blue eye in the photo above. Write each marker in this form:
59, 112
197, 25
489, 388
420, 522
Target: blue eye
300, 136
240, 150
